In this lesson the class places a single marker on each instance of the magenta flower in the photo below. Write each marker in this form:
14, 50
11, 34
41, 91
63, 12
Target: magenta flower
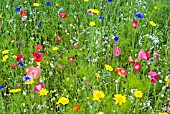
33, 72
38, 87
156, 53
136, 66
154, 77
143, 55
63, 15
116, 51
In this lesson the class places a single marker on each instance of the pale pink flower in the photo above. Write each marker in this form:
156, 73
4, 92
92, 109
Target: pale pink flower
33, 72
143, 55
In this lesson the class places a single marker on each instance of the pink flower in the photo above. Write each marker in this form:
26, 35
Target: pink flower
38, 87
136, 66
116, 51
153, 75
71, 59
87, 82
38, 47
19, 57
143, 55
131, 60
33, 72
58, 38
89, 12
63, 15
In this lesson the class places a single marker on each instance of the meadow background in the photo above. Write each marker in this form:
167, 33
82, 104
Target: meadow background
90, 46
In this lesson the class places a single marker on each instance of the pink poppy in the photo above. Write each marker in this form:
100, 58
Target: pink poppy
71, 59
143, 55
153, 75
135, 24
58, 38
136, 66
38, 87
116, 51
38, 47
63, 15
33, 72
89, 12
120, 71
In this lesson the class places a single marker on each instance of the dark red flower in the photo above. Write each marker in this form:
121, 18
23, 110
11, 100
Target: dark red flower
38, 47
153, 80
37, 56
63, 15
71, 59
23, 12
77, 107
135, 24
136, 66
120, 71
58, 38
19, 57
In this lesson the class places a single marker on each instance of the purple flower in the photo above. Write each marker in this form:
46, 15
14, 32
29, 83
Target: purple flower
20, 63
20, 44
27, 78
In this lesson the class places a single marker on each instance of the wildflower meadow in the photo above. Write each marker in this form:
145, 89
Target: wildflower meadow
84, 56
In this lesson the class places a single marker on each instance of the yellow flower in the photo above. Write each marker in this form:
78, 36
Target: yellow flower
55, 48
100, 113
97, 95
0, 16
56, 4
5, 52
63, 100
119, 99
4, 58
14, 56
138, 94
108, 67
29, 82
167, 80
14, 90
43, 92
97, 76
86, 0
36, 4
92, 23
152, 23
38, 63
95, 11
163, 113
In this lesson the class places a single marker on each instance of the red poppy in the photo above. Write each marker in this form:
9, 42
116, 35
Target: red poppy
38, 57
58, 38
13, 66
19, 57
135, 24
77, 107
38, 87
23, 12
38, 47
71, 59
63, 15
136, 66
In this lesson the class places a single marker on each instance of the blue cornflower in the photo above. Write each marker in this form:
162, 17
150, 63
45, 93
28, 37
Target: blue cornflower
39, 25
48, 3
27, 78
2, 86
139, 15
116, 38
101, 17
18, 9
110, 0
20, 63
